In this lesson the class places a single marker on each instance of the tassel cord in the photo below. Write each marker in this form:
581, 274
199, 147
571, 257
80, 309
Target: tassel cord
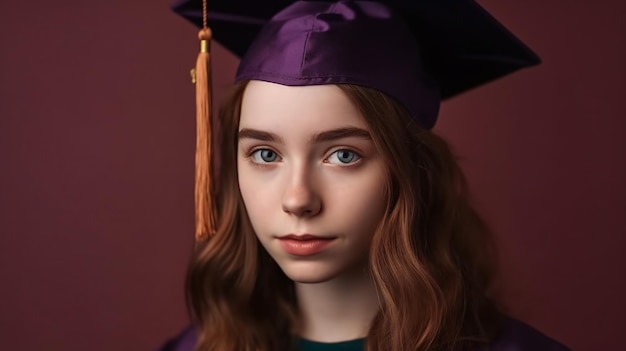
205, 207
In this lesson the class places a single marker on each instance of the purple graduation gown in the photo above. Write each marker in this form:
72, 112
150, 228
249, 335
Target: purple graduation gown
515, 336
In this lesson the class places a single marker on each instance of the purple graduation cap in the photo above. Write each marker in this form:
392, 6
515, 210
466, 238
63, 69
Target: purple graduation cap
416, 51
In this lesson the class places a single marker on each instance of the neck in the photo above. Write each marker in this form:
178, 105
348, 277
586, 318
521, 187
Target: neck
337, 310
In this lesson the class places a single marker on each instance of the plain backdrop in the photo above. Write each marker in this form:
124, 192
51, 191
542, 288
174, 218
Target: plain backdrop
96, 170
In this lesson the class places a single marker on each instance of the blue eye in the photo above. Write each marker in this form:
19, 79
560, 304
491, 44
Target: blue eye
343, 157
264, 156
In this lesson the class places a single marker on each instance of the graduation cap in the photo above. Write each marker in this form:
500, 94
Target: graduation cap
416, 51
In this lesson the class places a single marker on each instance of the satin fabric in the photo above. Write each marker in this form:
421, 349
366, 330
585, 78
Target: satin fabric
347, 42
423, 51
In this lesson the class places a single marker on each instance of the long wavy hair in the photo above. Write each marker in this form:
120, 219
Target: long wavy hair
432, 259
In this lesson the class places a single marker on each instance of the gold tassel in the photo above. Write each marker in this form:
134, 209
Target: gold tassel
205, 207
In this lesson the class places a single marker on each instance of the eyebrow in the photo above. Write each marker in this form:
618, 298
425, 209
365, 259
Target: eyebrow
340, 133
246, 133
329, 135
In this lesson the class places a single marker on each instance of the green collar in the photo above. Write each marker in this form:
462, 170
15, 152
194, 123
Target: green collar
351, 345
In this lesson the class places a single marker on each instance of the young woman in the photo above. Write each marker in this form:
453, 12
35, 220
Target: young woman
343, 222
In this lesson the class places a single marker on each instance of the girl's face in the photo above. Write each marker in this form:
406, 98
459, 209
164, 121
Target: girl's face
311, 179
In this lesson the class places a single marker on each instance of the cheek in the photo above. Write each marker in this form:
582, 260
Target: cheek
367, 212
246, 185
363, 204
254, 194
249, 182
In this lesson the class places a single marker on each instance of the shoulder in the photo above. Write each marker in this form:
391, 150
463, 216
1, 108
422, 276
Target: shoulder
185, 341
514, 336
518, 336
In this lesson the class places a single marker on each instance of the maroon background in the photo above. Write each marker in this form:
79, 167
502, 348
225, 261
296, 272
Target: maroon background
96, 160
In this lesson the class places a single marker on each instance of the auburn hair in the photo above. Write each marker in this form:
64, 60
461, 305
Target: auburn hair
431, 259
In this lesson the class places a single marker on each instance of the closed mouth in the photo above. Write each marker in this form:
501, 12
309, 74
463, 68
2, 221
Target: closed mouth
305, 245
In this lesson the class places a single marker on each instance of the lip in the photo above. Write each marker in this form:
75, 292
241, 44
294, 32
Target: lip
304, 244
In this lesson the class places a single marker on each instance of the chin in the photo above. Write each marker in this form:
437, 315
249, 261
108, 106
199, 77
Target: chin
308, 272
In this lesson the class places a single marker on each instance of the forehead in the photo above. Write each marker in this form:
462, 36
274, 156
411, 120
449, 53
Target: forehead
269, 105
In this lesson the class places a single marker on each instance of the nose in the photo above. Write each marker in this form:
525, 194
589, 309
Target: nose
300, 197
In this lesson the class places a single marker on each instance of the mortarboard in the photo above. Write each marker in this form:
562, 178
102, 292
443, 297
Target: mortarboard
416, 51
